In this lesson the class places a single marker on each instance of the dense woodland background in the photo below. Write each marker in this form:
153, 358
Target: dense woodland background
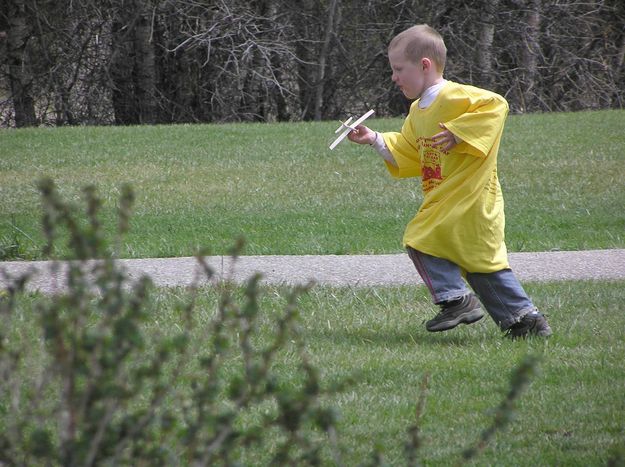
172, 61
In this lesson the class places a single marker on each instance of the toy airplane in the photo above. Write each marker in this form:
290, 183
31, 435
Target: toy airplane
346, 128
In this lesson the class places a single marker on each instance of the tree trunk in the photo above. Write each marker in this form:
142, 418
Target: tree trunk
485, 43
529, 56
20, 77
145, 67
323, 57
121, 74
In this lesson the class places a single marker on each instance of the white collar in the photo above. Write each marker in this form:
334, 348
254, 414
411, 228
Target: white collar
430, 94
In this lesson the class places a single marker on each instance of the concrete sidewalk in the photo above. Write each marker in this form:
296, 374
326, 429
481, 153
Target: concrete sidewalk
349, 270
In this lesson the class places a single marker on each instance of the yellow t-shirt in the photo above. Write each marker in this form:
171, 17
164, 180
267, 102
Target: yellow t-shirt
462, 215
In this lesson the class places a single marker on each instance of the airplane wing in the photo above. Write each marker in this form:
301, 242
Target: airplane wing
349, 128
340, 138
362, 119
344, 125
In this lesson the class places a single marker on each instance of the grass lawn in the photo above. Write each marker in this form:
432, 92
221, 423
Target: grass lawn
570, 414
280, 187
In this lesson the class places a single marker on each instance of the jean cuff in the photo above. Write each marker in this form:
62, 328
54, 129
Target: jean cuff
451, 295
516, 318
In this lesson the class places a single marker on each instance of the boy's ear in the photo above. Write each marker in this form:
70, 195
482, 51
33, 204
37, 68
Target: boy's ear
426, 63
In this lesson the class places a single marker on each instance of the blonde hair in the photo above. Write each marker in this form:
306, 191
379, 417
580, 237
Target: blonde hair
422, 41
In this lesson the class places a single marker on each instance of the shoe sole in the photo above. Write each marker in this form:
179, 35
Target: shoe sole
544, 330
466, 318
531, 334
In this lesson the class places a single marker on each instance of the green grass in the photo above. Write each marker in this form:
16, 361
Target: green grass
570, 414
281, 188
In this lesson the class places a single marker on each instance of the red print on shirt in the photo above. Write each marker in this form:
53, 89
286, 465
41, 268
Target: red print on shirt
431, 171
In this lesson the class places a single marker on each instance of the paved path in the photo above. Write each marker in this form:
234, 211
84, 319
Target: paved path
348, 270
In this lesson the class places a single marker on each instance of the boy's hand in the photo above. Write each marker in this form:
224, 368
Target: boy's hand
446, 140
362, 135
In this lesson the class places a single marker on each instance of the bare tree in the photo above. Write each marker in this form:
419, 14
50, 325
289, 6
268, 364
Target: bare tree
329, 35
484, 46
145, 66
246, 54
148, 61
133, 67
578, 43
19, 70
530, 51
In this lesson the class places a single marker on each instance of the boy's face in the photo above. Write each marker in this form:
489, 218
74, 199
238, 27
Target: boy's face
410, 77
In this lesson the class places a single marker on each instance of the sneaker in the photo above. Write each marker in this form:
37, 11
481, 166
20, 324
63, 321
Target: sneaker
467, 310
532, 324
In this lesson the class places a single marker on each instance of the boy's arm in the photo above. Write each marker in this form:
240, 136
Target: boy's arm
401, 157
405, 152
380, 146
445, 139
480, 126
364, 135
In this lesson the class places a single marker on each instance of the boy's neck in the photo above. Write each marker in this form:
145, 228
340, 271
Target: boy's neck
431, 92
432, 80
437, 80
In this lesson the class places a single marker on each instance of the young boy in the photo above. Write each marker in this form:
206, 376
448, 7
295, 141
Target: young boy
450, 139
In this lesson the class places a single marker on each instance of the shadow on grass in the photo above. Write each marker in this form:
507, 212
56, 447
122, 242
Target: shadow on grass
417, 335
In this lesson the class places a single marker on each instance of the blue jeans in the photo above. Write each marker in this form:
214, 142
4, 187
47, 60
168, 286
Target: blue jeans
500, 292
